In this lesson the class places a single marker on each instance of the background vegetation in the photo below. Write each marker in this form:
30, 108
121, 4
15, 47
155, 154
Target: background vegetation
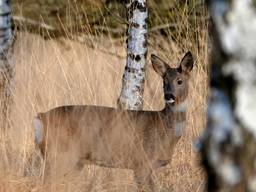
73, 52
96, 16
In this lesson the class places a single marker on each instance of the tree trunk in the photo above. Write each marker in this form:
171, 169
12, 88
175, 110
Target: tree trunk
6, 61
131, 96
228, 144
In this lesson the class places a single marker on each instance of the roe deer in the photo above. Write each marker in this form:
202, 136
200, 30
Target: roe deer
109, 137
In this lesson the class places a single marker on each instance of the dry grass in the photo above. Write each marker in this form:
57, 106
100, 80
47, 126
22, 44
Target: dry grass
61, 72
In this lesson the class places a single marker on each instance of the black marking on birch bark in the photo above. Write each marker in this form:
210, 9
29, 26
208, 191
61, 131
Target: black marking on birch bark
145, 54
145, 43
145, 26
5, 28
130, 38
145, 36
137, 58
217, 79
131, 70
143, 69
135, 25
7, 14
132, 56
138, 87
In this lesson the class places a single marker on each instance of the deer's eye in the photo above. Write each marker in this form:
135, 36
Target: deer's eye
179, 81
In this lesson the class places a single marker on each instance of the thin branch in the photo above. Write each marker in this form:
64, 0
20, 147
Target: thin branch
163, 26
33, 22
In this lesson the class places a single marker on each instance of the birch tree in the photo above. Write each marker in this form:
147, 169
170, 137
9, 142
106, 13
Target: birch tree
134, 73
229, 150
6, 61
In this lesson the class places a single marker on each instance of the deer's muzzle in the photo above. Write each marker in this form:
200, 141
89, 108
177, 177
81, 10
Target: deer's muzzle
169, 97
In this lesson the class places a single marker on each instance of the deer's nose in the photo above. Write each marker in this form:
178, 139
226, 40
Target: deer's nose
169, 97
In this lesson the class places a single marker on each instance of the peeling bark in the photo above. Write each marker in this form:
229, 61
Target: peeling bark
134, 74
228, 144
6, 61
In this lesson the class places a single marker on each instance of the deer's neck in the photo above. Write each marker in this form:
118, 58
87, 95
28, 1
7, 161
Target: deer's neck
175, 117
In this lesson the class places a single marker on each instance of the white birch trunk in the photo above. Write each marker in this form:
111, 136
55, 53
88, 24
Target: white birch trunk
228, 145
131, 96
6, 61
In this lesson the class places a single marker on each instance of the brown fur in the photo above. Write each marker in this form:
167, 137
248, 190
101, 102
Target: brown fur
137, 140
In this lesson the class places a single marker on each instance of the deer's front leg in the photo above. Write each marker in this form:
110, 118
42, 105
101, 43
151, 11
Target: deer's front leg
145, 180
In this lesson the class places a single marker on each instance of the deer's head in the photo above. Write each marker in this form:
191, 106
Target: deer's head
175, 80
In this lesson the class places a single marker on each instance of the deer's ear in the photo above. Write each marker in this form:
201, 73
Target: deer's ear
159, 65
186, 64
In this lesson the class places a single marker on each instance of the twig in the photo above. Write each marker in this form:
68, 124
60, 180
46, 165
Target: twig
164, 26
112, 30
33, 22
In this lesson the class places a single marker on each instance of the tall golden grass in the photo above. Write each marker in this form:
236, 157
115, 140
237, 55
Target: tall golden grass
56, 72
